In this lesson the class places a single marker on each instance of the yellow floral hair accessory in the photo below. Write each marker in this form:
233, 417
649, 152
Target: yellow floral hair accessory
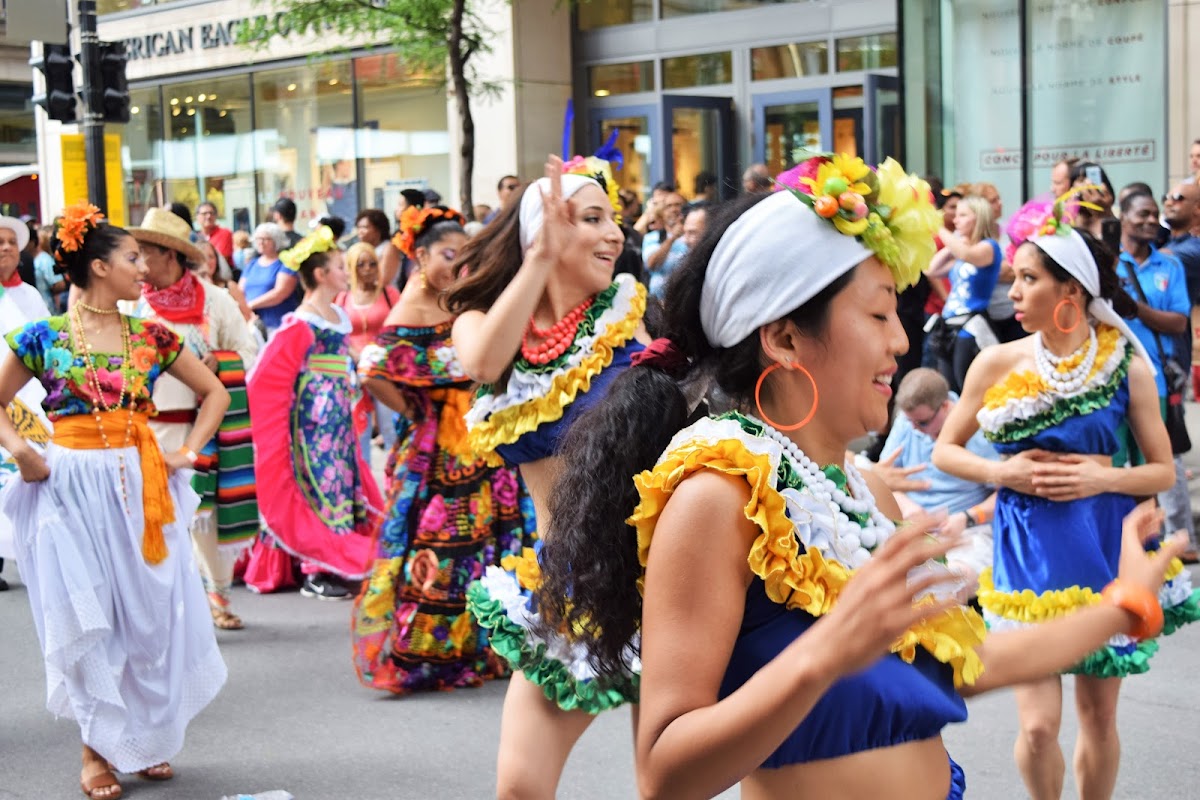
73, 226
600, 171
319, 241
890, 211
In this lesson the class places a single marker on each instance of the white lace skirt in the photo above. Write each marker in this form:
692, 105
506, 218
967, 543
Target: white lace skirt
129, 647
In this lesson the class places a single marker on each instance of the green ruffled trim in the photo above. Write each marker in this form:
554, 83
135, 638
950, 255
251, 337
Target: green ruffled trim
1185, 613
1077, 406
1108, 663
512, 643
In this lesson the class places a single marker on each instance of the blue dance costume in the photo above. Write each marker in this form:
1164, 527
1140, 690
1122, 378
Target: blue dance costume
1053, 557
801, 561
525, 421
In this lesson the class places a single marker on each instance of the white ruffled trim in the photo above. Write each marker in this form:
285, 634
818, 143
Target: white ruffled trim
524, 387
1176, 591
1018, 409
813, 522
504, 588
997, 623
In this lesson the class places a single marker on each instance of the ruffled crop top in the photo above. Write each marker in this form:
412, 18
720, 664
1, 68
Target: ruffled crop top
526, 419
800, 561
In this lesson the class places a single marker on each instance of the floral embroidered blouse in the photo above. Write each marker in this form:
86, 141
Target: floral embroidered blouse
44, 347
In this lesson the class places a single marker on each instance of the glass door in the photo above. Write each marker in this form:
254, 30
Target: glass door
637, 129
785, 122
699, 150
883, 123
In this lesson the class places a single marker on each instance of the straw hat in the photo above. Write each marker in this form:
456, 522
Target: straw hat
165, 229
19, 228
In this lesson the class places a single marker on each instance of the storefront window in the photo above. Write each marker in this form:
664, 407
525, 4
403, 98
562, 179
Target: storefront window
707, 69
18, 137
610, 79
304, 141
789, 60
681, 8
208, 152
602, 13
402, 137
113, 6
141, 154
866, 52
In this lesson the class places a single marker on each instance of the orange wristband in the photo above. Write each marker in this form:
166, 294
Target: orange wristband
1139, 601
982, 515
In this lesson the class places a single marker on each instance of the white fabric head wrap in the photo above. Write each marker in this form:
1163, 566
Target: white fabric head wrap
775, 258
531, 204
1072, 254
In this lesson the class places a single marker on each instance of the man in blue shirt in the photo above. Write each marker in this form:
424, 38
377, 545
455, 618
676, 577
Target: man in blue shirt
1162, 317
1181, 212
923, 401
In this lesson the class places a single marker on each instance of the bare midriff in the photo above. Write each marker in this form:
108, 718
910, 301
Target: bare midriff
539, 477
910, 771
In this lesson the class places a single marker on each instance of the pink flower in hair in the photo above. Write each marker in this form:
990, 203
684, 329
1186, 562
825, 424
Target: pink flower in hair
793, 178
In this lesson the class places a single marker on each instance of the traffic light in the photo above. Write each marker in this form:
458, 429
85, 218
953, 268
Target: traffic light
113, 83
58, 98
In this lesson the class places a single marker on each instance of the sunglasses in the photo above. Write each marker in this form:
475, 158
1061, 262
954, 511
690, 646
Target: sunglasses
1178, 197
922, 424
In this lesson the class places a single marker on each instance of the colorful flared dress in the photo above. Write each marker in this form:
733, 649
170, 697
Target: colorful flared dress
1052, 557
808, 547
321, 504
525, 421
104, 548
441, 499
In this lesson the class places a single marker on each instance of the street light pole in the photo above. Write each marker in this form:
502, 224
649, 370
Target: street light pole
93, 104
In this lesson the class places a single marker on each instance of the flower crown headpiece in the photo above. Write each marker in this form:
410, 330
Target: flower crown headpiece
890, 211
1046, 218
421, 220
599, 170
73, 226
319, 241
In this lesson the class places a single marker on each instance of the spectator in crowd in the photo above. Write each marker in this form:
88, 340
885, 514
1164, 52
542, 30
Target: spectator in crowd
215, 269
706, 190
504, 190
1130, 188
50, 283
1181, 212
210, 227
14, 239
336, 225
756, 179
923, 402
971, 256
242, 252
432, 198
663, 247
28, 254
1193, 162
1000, 305
695, 222
372, 228
1156, 281
283, 214
1060, 176
394, 266
631, 205
269, 286
1101, 222
651, 216
481, 210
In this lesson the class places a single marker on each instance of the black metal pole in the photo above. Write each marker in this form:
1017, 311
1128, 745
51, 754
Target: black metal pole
93, 104
1026, 101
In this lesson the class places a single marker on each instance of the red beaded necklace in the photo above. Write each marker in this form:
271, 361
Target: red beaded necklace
555, 339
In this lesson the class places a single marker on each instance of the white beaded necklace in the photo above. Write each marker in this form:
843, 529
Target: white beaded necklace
861, 501
1073, 380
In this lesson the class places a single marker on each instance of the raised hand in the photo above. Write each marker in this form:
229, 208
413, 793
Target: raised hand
899, 479
558, 220
1136, 565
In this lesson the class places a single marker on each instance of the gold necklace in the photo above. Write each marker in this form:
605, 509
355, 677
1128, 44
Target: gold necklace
94, 310
92, 375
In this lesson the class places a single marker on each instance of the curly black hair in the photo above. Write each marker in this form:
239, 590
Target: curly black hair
589, 559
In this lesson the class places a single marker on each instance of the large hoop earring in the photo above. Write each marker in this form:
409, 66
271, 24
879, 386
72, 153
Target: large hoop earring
1078, 315
758, 392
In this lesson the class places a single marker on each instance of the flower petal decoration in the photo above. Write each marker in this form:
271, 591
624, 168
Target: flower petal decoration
73, 226
319, 241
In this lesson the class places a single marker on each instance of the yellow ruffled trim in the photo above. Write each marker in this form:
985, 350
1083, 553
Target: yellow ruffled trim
510, 424
1020, 385
1174, 567
525, 567
1026, 606
797, 580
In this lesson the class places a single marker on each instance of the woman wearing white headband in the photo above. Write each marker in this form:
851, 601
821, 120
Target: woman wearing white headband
1056, 403
545, 326
792, 637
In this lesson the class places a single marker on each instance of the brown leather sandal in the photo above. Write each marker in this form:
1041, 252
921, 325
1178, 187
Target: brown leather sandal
159, 772
226, 620
102, 785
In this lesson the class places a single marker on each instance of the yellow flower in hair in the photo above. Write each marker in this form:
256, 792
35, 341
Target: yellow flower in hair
912, 221
318, 241
599, 170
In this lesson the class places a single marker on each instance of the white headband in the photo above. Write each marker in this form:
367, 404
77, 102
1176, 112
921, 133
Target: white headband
775, 258
532, 210
1071, 253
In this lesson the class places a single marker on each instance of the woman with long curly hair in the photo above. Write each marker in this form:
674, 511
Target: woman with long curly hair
793, 638
449, 514
545, 327
1056, 404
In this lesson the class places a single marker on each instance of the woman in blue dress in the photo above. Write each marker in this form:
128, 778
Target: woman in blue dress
792, 637
269, 285
1055, 403
971, 256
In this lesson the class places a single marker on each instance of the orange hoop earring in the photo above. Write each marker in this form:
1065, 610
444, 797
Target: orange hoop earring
758, 401
1078, 315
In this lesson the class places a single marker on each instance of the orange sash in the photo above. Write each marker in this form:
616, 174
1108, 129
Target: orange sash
81, 432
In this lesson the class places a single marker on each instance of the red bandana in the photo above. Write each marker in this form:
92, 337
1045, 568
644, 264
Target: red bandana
12, 280
182, 301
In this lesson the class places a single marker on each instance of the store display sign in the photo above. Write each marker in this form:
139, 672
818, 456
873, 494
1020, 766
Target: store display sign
74, 172
1097, 75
